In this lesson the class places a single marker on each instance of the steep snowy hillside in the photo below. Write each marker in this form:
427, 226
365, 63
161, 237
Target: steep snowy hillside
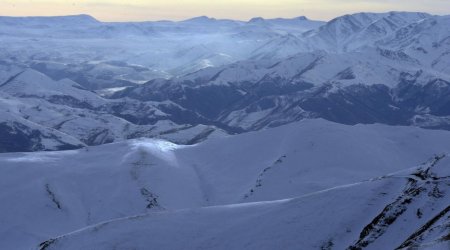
350, 32
40, 112
66, 191
374, 85
30, 83
19, 134
427, 41
404, 210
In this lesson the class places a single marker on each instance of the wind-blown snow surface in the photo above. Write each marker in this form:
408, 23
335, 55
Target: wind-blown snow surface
158, 189
342, 217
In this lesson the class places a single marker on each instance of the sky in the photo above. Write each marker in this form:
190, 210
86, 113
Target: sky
143, 10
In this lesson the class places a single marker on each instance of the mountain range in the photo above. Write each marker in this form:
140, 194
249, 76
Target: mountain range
204, 75
224, 134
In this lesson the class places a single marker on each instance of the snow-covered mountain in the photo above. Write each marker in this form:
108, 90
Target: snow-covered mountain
350, 32
375, 85
160, 49
44, 114
123, 54
66, 191
225, 134
236, 76
47, 22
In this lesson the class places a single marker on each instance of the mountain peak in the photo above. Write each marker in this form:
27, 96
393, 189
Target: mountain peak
50, 20
200, 19
261, 19
256, 20
301, 18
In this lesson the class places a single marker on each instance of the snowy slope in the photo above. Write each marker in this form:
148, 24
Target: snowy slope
374, 85
33, 101
66, 191
94, 126
19, 134
379, 213
350, 32
31, 83
427, 41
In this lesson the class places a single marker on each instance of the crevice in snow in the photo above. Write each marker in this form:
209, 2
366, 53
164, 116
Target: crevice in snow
44, 245
52, 196
11, 78
260, 178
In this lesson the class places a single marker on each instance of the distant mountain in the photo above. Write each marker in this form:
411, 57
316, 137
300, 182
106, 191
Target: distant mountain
17, 134
427, 41
374, 85
351, 32
43, 21
209, 75
30, 83
43, 114
152, 45
289, 25
280, 133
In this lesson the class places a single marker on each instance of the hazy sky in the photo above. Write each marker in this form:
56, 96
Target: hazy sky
138, 10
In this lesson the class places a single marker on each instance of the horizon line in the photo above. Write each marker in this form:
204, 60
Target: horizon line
213, 18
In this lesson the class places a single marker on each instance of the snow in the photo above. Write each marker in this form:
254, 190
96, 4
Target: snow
310, 184
285, 224
171, 183
256, 227
164, 49
34, 83
174, 49
352, 32
50, 139
159, 149
30, 98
